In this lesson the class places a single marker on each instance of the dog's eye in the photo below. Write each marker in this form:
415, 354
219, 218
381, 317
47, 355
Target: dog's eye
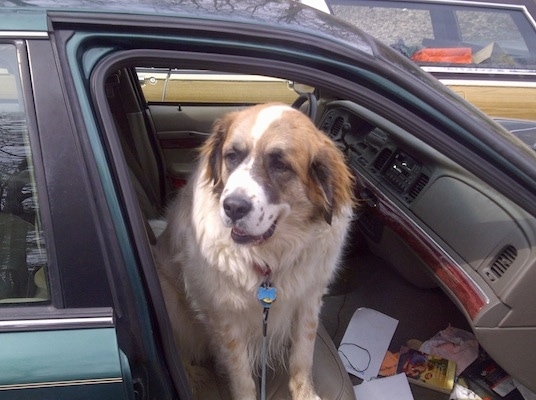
277, 164
232, 158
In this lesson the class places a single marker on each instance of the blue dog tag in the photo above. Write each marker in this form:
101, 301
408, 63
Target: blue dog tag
266, 295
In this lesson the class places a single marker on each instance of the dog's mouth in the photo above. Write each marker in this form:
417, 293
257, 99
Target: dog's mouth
241, 237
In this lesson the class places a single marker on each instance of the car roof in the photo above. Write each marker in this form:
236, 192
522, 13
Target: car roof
281, 13
180, 8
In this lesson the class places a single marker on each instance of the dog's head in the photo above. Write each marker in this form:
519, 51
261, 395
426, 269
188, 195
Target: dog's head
268, 165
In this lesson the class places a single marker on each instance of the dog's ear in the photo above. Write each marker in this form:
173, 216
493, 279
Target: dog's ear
332, 180
323, 180
212, 149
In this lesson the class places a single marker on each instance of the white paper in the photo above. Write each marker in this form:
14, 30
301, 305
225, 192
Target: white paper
388, 388
365, 342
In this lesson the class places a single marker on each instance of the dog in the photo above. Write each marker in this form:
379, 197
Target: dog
269, 204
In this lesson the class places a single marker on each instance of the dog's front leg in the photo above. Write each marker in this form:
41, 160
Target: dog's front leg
301, 356
233, 355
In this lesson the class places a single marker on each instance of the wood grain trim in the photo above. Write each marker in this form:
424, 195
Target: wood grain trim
446, 270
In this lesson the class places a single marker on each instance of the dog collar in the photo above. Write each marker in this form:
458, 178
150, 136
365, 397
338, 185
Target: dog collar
265, 271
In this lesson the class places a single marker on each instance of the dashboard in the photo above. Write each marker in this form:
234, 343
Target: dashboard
370, 149
439, 225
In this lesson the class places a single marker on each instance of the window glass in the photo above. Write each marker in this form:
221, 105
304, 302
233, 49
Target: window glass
23, 257
395, 26
482, 29
208, 87
447, 34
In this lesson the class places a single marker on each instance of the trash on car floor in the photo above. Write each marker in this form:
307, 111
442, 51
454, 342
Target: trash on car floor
451, 363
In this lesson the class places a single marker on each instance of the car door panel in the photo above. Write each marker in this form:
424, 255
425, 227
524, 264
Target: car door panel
59, 340
78, 359
180, 131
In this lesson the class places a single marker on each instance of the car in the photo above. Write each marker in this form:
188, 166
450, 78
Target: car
483, 50
444, 232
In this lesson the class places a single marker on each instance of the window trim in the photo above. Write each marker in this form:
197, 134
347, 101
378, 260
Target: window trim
87, 284
30, 319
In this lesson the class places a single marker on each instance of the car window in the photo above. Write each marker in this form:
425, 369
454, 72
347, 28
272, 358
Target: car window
208, 87
392, 25
452, 34
23, 256
491, 27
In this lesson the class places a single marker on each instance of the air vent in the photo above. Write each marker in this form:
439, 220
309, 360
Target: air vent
418, 186
382, 159
337, 126
503, 261
326, 123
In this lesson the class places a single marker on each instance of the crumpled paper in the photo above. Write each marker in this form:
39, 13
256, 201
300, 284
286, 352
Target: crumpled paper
460, 392
453, 344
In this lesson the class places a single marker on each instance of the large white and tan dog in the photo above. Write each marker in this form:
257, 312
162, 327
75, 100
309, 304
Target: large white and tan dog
271, 200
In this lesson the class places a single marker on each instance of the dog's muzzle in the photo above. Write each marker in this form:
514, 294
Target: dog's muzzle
237, 208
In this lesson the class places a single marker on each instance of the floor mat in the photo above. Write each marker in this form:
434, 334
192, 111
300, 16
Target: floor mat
367, 281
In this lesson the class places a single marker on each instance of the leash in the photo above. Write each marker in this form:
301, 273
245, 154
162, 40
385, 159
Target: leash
266, 295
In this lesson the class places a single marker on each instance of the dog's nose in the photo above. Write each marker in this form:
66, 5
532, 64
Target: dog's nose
236, 207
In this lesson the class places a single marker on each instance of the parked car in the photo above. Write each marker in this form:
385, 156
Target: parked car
445, 233
483, 50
